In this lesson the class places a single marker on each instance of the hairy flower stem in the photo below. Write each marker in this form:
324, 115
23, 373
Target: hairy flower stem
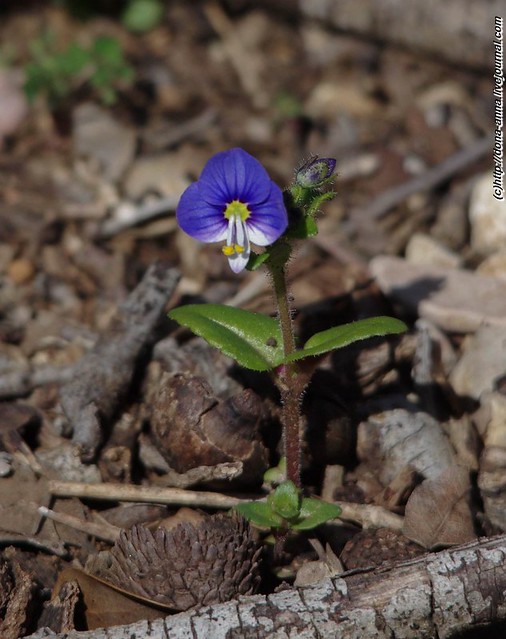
289, 381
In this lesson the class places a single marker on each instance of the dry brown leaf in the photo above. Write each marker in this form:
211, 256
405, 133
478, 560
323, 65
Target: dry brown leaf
438, 512
106, 605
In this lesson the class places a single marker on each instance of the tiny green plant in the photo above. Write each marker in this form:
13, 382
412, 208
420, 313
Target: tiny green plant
57, 73
236, 202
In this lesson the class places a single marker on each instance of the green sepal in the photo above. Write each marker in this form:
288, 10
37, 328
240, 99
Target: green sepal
340, 336
252, 339
314, 512
318, 200
302, 228
260, 513
256, 260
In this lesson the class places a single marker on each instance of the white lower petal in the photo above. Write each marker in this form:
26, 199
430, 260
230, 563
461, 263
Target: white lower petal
238, 261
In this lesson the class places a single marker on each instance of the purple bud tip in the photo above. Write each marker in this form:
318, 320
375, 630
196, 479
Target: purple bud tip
315, 172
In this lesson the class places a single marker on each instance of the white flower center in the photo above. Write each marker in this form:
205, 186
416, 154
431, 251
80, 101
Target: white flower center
237, 213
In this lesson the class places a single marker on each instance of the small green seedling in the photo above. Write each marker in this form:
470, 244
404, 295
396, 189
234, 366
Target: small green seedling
57, 73
285, 509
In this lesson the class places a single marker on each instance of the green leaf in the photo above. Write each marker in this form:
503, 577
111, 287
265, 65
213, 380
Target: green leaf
108, 49
142, 15
340, 336
277, 474
73, 60
252, 339
260, 513
314, 512
286, 500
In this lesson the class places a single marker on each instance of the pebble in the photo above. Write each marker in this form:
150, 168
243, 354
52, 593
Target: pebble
163, 174
5, 464
494, 265
97, 135
482, 362
423, 249
487, 216
453, 299
21, 271
65, 461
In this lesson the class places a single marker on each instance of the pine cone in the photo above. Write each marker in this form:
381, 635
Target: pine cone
191, 427
378, 546
184, 567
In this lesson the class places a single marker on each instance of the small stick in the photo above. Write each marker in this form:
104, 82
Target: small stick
104, 531
137, 215
370, 516
424, 182
169, 138
23, 380
366, 515
149, 494
17, 539
244, 63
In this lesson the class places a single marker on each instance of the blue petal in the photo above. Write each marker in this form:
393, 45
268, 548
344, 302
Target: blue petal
199, 219
268, 220
234, 175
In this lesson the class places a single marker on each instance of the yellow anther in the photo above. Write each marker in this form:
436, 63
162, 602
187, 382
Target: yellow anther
228, 250
238, 248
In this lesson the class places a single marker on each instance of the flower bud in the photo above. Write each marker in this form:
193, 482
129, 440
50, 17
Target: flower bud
315, 172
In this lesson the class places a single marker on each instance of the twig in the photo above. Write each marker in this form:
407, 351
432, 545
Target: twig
149, 494
133, 216
243, 61
370, 516
424, 182
104, 531
366, 515
168, 138
21, 382
17, 539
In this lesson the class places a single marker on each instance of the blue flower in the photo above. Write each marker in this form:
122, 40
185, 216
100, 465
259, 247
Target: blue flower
234, 201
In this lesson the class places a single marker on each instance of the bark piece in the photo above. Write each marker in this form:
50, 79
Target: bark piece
453, 299
456, 31
16, 618
102, 377
59, 612
437, 595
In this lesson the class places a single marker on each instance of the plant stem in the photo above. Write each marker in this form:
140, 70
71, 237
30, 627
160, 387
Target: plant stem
288, 381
